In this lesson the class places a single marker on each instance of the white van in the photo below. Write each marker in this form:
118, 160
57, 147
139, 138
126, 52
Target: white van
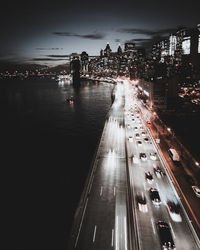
173, 154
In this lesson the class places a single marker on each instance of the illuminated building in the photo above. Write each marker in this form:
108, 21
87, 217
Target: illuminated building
186, 45
172, 45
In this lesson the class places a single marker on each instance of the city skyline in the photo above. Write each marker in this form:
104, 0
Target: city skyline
45, 33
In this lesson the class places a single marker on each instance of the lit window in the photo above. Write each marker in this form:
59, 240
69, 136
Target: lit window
186, 46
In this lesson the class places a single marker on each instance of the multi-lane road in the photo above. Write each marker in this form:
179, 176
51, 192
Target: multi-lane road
110, 217
182, 232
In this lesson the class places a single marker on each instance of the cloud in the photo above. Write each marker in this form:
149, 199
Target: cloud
47, 59
95, 36
153, 36
58, 56
146, 32
49, 48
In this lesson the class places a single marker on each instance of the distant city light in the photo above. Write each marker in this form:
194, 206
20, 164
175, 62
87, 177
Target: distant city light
186, 45
199, 45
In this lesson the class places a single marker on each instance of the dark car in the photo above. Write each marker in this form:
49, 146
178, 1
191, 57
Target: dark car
142, 203
158, 172
155, 197
146, 139
165, 235
148, 177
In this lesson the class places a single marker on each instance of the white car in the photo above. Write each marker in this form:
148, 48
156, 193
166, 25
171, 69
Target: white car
143, 157
135, 160
174, 211
139, 143
142, 203
136, 128
158, 172
137, 136
130, 138
143, 133
196, 191
153, 156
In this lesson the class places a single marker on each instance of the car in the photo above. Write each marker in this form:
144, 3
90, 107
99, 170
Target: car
130, 138
155, 197
135, 160
136, 128
148, 123
139, 143
142, 203
149, 177
153, 156
128, 126
143, 157
174, 211
143, 133
165, 235
137, 136
141, 128
158, 172
196, 191
146, 139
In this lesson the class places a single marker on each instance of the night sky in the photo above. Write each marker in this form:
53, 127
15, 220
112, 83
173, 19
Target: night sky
47, 31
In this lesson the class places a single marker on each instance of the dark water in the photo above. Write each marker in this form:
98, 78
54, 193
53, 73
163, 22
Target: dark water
47, 146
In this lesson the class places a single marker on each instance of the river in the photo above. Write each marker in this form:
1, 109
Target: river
47, 146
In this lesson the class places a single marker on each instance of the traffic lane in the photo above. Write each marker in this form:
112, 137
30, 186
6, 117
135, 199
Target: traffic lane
167, 193
146, 231
193, 201
161, 213
98, 208
101, 204
165, 196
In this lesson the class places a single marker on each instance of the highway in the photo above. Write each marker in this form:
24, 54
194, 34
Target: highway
182, 232
105, 221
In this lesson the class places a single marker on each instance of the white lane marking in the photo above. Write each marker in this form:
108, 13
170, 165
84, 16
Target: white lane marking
125, 233
116, 237
94, 235
114, 191
91, 183
112, 241
101, 191
81, 223
154, 231
172, 230
157, 186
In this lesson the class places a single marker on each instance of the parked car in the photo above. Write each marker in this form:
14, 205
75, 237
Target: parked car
196, 191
